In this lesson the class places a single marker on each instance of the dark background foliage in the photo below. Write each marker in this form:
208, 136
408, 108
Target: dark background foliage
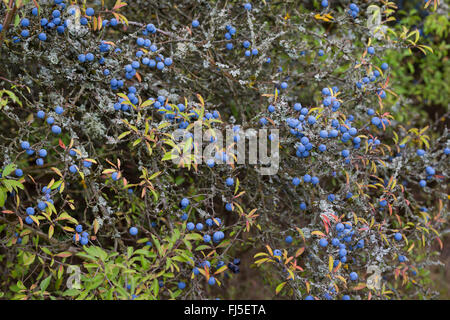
129, 183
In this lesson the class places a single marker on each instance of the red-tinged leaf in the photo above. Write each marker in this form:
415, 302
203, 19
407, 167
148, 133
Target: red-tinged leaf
64, 254
299, 251
396, 273
138, 77
337, 267
116, 16
61, 144
326, 222
360, 286
440, 242
51, 230
100, 22
96, 226
119, 4
7, 211
318, 233
386, 83
56, 170
334, 217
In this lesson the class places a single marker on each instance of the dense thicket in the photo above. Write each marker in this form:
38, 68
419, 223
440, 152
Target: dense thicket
94, 205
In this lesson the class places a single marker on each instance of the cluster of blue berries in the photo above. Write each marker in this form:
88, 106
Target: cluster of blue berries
80, 235
353, 10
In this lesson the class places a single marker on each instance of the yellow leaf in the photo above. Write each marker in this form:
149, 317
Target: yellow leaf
280, 287
318, 233
51, 230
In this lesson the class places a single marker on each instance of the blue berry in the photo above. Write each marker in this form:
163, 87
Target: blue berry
40, 114
56, 129
199, 226
167, 61
323, 242
56, 13
42, 205
25, 33
133, 231
73, 168
190, 226
25, 145
184, 203
430, 171
295, 181
59, 110
42, 153
420, 152
84, 241
42, 36
218, 236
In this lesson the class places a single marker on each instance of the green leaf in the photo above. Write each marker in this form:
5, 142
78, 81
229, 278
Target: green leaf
44, 283
8, 169
157, 244
280, 287
71, 292
123, 135
193, 236
203, 247
3, 196
169, 156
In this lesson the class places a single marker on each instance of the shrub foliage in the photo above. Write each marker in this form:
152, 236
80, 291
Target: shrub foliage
93, 207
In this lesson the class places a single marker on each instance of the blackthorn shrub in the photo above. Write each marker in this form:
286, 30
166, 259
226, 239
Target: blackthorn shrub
94, 204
